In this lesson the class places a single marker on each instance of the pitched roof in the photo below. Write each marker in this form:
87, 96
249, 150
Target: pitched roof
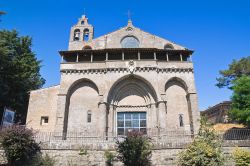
145, 39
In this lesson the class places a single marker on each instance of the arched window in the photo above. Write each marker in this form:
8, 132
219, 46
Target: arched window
168, 47
76, 34
130, 42
85, 34
86, 48
82, 22
181, 120
89, 116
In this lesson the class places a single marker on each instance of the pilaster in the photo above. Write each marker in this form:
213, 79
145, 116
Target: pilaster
60, 115
103, 118
162, 114
194, 112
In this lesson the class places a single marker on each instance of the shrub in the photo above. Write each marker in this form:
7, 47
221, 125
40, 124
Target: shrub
40, 160
83, 151
19, 145
205, 150
135, 150
241, 157
109, 156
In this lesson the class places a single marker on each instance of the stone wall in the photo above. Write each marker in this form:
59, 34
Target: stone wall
42, 103
159, 82
160, 157
97, 88
96, 158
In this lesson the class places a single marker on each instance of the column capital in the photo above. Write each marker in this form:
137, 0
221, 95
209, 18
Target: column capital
161, 102
191, 93
102, 102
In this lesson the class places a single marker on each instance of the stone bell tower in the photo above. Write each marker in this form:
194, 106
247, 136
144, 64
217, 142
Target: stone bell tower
81, 34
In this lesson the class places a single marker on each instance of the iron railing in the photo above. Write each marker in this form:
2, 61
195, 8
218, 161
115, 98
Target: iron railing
164, 136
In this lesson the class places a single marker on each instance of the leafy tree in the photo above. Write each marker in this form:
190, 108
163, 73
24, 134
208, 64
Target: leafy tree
19, 72
236, 69
18, 144
205, 150
240, 108
135, 150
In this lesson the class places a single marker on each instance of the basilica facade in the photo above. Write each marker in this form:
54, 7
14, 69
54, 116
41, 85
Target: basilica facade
125, 80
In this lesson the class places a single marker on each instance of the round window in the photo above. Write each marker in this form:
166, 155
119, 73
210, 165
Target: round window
130, 42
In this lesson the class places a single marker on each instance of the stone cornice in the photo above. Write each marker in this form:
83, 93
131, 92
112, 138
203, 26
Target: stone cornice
118, 70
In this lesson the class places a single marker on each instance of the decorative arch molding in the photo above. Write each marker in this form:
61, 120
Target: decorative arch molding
82, 80
74, 86
132, 88
131, 85
176, 81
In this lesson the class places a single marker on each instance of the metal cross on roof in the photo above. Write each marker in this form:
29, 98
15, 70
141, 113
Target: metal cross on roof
129, 15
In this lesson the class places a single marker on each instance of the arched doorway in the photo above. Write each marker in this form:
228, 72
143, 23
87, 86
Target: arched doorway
132, 106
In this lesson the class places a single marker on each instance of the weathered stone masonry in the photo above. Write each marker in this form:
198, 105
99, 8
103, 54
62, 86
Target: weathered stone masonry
128, 72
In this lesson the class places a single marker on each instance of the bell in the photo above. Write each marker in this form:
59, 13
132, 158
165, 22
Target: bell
77, 34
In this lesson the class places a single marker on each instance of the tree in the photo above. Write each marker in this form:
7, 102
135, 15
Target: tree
240, 108
205, 150
19, 146
236, 69
19, 72
135, 150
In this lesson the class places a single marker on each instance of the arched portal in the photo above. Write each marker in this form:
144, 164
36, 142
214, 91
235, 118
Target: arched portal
178, 116
131, 103
79, 107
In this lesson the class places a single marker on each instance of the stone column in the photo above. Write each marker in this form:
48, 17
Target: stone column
193, 111
162, 114
103, 118
154, 119
60, 113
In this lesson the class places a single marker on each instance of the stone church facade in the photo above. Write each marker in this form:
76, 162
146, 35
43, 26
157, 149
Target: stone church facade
125, 80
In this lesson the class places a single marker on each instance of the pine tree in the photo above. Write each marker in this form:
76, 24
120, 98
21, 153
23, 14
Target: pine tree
19, 72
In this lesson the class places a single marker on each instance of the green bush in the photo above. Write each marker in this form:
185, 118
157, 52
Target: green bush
205, 150
18, 144
40, 160
109, 156
241, 157
135, 150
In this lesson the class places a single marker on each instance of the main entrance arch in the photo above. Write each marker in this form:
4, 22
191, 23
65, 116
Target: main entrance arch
132, 105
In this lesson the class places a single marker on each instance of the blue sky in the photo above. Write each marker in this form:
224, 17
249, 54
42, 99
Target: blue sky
218, 31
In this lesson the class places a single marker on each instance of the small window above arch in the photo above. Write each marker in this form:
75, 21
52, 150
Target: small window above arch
129, 29
130, 42
168, 47
87, 48
82, 22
